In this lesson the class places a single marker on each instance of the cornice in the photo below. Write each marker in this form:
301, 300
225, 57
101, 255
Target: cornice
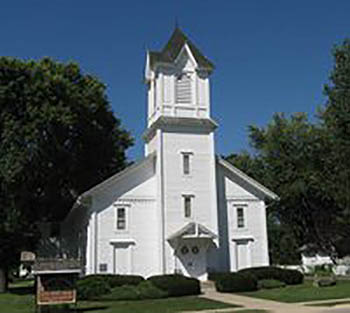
134, 199
169, 122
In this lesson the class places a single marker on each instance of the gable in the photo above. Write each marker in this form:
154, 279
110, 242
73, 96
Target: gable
237, 184
136, 181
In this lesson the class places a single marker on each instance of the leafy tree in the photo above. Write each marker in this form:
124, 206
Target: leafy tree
58, 138
283, 246
308, 166
336, 118
294, 157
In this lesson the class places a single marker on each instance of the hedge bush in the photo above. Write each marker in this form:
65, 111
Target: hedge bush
289, 277
122, 280
176, 285
325, 282
91, 288
214, 276
125, 292
270, 284
147, 290
236, 282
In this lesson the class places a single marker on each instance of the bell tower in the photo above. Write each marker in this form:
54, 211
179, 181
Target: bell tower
180, 135
177, 79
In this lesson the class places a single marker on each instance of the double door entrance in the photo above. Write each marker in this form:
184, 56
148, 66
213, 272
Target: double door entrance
191, 258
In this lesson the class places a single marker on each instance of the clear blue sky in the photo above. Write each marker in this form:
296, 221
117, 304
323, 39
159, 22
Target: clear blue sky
270, 56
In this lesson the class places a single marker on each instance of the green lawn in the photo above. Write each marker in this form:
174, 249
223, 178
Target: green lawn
169, 305
21, 300
303, 293
330, 304
249, 311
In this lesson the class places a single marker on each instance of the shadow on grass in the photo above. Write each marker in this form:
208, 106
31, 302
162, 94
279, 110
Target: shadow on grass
94, 308
21, 291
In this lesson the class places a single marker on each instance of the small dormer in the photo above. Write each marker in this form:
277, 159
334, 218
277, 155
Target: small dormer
178, 80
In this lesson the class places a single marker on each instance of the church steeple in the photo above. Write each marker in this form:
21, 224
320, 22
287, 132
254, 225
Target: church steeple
178, 80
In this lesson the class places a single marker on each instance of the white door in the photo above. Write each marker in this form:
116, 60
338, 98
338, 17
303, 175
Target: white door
192, 259
122, 259
243, 254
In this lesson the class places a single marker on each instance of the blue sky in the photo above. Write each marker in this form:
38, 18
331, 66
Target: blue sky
270, 56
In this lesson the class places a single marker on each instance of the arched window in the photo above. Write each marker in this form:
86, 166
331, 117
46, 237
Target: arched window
183, 89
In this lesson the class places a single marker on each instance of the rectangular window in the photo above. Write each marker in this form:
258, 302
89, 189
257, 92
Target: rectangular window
186, 164
240, 218
121, 218
103, 267
188, 206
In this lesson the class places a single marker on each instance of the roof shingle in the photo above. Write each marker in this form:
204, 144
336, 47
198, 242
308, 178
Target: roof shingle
173, 47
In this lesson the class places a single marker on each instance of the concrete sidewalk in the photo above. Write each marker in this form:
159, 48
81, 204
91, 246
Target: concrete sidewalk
269, 305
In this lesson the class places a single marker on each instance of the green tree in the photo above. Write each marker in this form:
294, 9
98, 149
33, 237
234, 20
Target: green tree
58, 138
336, 119
296, 156
283, 246
291, 158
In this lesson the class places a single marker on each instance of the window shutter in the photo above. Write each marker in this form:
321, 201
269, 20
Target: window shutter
183, 89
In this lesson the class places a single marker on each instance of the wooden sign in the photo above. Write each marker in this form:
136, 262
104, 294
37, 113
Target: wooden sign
56, 289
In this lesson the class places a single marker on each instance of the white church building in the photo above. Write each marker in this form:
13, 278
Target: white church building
181, 209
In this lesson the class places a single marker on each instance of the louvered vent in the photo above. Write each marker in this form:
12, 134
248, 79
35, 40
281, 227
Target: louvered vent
183, 89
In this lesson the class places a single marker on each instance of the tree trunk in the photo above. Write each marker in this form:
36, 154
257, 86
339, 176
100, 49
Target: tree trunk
3, 280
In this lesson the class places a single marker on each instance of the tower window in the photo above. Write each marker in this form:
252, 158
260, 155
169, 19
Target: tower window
186, 163
183, 89
240, 218
187, 206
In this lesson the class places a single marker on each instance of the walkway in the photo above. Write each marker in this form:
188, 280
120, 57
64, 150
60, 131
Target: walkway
272, 306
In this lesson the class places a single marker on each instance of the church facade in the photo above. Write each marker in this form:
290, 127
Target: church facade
181, 209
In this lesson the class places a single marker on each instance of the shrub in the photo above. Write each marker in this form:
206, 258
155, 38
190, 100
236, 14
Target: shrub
289, 277
236, 282
91, 288
147, 290
270, 284
176, 285
122, 280
214, 276
325, 282
125, 292
323, 270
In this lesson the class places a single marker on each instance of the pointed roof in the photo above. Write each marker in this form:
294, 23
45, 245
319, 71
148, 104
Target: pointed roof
173, 47
193, 230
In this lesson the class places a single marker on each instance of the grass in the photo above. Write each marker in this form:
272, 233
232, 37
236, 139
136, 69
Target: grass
330, 304
303, 293
21, 300
170, 305
249, 311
